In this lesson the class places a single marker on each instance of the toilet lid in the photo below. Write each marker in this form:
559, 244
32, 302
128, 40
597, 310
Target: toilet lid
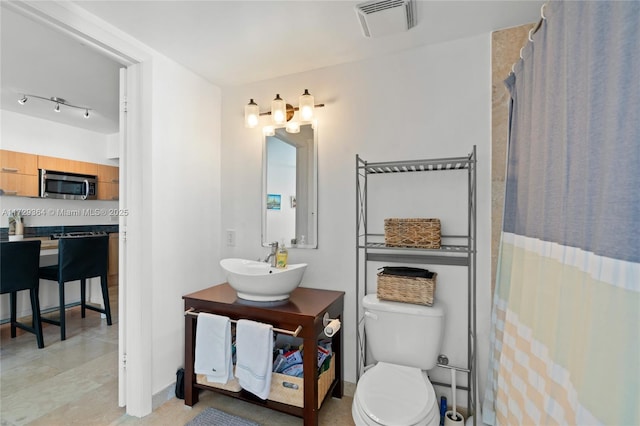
395, 395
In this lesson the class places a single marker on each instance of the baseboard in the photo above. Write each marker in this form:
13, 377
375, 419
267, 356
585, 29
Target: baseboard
163, 396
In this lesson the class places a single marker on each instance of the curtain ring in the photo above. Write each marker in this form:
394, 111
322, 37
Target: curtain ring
542, 11
513, 67
521, 49
530, 34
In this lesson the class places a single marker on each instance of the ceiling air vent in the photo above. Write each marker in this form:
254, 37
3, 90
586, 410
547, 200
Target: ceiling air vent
383, 17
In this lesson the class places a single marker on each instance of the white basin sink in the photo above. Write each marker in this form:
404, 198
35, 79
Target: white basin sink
260, 282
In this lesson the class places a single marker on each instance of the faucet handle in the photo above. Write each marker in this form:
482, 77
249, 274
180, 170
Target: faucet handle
274, 244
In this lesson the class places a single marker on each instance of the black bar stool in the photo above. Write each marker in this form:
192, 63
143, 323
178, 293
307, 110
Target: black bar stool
19, 262
80, 258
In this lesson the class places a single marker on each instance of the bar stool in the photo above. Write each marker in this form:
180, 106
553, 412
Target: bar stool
79, 258
19, 261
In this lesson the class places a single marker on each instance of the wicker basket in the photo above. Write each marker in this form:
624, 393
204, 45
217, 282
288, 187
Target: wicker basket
416, 290
412, 233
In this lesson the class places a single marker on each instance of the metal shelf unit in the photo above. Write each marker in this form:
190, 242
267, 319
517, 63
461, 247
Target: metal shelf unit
371, 247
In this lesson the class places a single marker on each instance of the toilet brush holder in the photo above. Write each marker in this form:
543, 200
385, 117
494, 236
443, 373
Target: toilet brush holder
453, 419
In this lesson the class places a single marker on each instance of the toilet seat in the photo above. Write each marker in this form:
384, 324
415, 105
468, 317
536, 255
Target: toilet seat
389, 394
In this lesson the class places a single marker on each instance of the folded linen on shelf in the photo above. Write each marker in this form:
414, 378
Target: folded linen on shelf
254, 350
213, 348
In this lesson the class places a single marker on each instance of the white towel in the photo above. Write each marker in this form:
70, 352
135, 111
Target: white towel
213, 348
254, 350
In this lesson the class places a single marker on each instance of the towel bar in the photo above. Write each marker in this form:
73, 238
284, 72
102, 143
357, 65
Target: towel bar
294, 333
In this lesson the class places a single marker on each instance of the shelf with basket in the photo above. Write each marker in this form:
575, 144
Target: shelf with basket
452, 250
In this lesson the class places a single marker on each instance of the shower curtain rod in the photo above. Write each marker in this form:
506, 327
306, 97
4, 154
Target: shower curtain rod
192, 312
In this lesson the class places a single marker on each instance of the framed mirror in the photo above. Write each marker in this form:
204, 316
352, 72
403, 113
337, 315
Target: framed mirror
290, 187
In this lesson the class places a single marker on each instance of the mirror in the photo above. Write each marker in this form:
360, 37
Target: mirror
289, 188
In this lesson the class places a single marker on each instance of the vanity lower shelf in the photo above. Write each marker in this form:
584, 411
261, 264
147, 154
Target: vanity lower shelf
305, 308
284, 389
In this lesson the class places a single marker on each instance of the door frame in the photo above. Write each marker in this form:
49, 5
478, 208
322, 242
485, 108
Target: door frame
135, 390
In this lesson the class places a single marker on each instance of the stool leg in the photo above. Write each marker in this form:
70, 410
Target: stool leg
105, 298
63, 334
13, 308
83, 297
35, 316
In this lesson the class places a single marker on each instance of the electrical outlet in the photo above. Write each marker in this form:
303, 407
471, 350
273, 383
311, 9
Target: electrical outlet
231, 237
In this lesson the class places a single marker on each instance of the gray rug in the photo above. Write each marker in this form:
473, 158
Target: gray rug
212, 416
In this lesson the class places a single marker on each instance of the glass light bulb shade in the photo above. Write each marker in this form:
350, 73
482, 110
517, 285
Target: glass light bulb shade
279, 110
86, 114
306, 106
57, 108
23, 100
269, 130
251, 114
292, 127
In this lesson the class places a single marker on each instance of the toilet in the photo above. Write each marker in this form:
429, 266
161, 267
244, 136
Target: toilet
405, 340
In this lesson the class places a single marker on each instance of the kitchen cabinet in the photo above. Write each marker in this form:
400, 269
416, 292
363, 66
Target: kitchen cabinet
108, 182
303, 311
114, 249
64, 165
108, 191
18, 173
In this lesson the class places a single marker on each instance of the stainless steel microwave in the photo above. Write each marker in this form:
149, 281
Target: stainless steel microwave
67, 186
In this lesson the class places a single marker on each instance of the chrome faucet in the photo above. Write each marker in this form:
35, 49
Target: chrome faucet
272, 256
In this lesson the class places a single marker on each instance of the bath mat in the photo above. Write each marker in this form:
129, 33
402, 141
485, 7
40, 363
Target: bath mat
214, 417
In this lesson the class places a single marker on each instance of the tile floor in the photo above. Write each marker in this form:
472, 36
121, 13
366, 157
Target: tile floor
75, 382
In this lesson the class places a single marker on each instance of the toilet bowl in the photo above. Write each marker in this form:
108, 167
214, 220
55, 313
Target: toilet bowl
395, 395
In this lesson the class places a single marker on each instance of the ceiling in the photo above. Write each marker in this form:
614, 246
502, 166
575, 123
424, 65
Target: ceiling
226, 42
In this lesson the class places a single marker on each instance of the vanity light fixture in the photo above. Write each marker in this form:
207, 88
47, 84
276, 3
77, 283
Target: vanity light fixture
57, 101
279, 110
251, 114
269, 130
292, 127
306, 106
282, 112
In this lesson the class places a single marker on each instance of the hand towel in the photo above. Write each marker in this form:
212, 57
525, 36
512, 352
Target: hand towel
213, 348
254, 351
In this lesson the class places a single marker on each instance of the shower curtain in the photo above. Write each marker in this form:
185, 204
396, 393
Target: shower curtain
566, 312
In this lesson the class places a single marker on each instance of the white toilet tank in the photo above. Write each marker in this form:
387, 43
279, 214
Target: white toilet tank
403, 333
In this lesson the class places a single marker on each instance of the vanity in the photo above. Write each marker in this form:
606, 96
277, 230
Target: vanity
303, 313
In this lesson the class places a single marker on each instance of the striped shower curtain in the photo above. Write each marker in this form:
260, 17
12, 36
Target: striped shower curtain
565, 333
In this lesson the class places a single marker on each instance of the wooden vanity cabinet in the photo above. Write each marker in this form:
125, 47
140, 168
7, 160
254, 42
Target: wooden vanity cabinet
18, 173
305, 308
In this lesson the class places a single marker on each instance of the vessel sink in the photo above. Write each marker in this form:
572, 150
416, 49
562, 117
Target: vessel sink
259, 281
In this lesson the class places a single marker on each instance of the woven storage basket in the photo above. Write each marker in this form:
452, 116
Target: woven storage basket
412, 233
287, 395
416, 290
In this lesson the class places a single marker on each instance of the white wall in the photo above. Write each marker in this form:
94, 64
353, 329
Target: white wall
183, 191
427, 102
33, 135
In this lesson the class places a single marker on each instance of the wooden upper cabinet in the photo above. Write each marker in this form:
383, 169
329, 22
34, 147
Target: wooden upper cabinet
63, 165
108, 182
18, 174
18, 162
17, 184
109, 174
